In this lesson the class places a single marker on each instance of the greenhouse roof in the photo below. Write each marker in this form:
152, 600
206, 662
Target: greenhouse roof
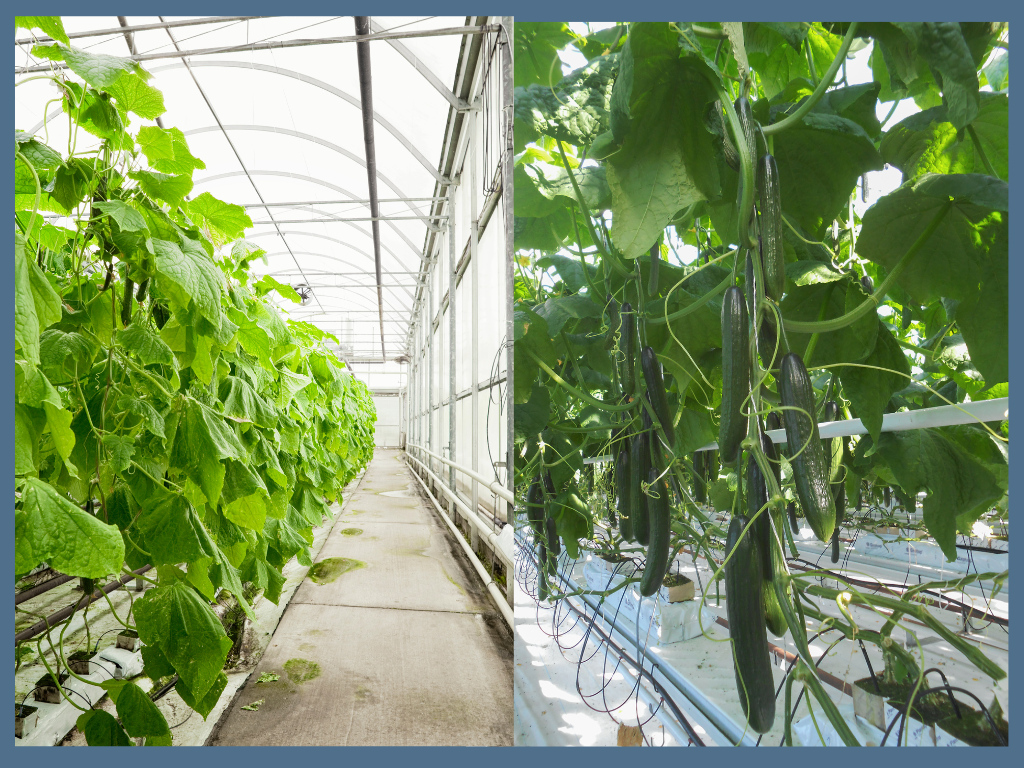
273, 107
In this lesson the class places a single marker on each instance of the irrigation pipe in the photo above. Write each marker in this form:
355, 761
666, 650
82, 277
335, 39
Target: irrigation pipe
493, 485
492, 587
39, 589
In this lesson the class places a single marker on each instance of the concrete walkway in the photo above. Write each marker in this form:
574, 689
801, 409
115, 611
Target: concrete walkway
390, 640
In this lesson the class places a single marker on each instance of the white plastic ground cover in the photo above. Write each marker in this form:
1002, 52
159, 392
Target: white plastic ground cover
56, 720
915, 734
927, 553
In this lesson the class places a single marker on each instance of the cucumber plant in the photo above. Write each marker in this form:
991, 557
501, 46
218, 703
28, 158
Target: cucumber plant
154, 376
703, 181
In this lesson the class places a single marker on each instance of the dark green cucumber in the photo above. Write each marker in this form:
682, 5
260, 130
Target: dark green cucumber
804, 448
833, 446
757, 498
658, 523
835, 545
774, 618
773, 260
767, 338
623, 485
700, 477
140, 294
735, 374
542, 573
639, 466
554, 544
746, 116
867, 284
656, 394
793, 523
160, 314
745, 608
731, 156
888, 496
126, 303
652, 279
627, 345
535, 506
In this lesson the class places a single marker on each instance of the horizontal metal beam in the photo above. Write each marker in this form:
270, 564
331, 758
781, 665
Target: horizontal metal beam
141, 28
277, 44
348, 219
343, 202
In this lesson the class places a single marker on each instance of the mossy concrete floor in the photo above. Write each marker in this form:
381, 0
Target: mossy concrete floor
396, 642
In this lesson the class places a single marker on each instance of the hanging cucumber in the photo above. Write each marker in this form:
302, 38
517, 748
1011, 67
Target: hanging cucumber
140, 294
774, 617
757, 500
535, 506
652, 279
773, 261
793, 523
627, 344
744, 605
835, 545
718, 125
747, 122
656, 394
623, 484
639, 466
700, 477
833, 446
658, 523
803, 445
542, 573
126, 303
735, 374
554, 544
867, 284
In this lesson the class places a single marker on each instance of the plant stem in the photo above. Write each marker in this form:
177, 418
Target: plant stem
578, 392
826, 81
872, 302
981, 152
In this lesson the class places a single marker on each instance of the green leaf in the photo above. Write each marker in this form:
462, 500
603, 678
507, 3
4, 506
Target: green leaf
291, 384
956, 258
128, 219
174, 533
268, 283
983, 317
201, 440
570, 270
50, 528
143, 342
133, 94
850, 344
244, 497
559, 310
667, 160
139, 714
97, 69
36, 304
241, 401
812, 273
119, 451
101, 729
51, 26
227, 222
536, 52
577, 109
41, 156
869, 390
192, 274
820, 160
188, 632
531, 417
162, 186
27, 429
942, 45
958, 486
204, 706
694, 430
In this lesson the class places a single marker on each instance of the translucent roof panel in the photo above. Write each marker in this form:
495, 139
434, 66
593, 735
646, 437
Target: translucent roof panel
280, 130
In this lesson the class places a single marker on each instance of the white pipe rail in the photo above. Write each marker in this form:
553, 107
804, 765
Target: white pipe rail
474, 519
493, 485
997, 409
489, 582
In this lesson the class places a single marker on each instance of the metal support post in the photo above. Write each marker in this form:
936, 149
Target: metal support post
430, 360
474, 255
506, 204
452, 264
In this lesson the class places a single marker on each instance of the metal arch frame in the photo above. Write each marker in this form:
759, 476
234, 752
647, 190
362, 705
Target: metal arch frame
354, 101
423, 69
321, 182
334, 258
316, 140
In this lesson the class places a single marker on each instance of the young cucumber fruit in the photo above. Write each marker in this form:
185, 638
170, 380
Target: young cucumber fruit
639, 466
658, 525
624, 488
627, 345
744, 605
772, 258
803, 445
656, 394
735, 374
535, 506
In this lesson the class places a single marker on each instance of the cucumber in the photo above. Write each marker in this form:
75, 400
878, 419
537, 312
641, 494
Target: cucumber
700, 477
804, 448
793, 524
746, 116
835, 545
735, 374
888, 496
126, 303
639, 466
535, 506
658, 523
652, 279
542, 573
833, 446
867, 284
140, 294
623, 486
627, 344
729, 153
774, 618
656, 394
554, 544
773, 261
757, 497
745, 608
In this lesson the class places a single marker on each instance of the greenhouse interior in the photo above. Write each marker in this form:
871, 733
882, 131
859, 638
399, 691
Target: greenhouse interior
761, 383
263, 427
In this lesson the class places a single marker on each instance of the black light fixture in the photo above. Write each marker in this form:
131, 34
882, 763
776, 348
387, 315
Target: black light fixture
305, 293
